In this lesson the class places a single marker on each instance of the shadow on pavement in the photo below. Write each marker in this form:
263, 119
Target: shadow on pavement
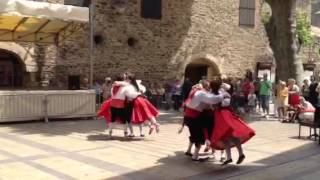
279, 166
81, 126
103, 137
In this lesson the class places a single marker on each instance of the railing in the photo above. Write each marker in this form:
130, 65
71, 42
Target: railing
35, 105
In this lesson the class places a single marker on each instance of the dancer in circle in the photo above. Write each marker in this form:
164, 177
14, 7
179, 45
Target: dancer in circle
192, 116
128, 106
116, 109
142, 110
229, 130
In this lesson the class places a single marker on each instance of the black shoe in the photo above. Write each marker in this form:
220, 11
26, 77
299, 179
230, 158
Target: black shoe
241, 158
201, 159
142, 135
188, 154
227, 162
131, 135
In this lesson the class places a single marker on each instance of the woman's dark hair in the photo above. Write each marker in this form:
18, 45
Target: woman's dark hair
119, 77
215, 85
133, 81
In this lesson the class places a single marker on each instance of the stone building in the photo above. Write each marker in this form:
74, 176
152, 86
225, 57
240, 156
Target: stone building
158, 40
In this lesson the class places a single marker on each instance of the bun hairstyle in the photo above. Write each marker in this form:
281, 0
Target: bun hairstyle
133, 80
215, 85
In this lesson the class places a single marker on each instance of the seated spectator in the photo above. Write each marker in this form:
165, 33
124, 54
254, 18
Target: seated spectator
306, 110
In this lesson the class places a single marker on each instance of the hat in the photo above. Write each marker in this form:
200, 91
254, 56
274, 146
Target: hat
108, 78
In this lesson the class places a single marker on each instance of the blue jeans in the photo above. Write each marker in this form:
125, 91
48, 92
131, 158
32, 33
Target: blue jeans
264, 100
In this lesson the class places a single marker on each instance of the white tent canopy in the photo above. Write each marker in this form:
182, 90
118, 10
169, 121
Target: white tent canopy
30, 21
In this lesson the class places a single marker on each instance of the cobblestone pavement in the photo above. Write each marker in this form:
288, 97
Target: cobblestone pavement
82, 150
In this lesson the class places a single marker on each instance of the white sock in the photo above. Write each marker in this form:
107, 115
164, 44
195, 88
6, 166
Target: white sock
196, 153
110, 128
141, 129
131, 128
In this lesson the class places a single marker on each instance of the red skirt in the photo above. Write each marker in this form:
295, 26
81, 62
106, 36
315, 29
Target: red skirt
105, 111
228, 125
143, 110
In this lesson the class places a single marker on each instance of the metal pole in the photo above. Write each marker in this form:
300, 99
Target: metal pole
91, 12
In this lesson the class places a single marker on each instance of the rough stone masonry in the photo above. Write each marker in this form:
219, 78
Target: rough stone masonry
189, 31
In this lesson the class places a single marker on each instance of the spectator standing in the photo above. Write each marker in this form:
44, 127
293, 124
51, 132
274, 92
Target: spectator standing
176, 95
159, 94
313, 94
305, 90
282, 100
247, 87
294, 93
85, 84
252, 101
97, 88
265, 91
106, 88
256, 85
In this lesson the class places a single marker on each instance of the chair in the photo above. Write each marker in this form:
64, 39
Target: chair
308, 123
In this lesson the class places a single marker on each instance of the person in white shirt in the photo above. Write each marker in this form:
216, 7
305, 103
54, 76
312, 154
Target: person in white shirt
122, 92
192, 115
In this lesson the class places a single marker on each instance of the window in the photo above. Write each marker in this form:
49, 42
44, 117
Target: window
247, 12
151, 9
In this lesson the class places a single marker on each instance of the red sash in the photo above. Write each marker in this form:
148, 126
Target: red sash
192, 113
191, 95
117, 103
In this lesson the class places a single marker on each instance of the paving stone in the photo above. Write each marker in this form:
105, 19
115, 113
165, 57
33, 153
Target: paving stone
83, 150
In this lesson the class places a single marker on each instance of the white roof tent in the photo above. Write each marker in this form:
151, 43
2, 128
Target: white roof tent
39, 22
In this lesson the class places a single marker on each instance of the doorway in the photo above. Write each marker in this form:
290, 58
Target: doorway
196, 72
10, 70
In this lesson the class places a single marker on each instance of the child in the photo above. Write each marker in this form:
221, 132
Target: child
252, 98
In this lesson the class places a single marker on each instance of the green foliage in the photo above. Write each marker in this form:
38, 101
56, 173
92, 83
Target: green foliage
265, 18
304, 29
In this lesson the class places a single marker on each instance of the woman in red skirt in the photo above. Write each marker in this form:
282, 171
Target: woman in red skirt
143, 111
138, 109
229, 130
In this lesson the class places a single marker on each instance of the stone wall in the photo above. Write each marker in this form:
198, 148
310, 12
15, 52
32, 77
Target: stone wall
189, 30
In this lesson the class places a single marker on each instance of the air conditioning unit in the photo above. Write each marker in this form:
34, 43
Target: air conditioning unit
81, 3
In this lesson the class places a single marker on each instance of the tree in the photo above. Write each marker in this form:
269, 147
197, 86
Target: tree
281, 31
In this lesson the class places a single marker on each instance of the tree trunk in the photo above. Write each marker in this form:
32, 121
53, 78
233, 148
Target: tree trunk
281, 30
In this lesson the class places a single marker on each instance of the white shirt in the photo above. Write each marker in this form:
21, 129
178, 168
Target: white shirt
127, 91
142, 88
227, 98
203, 97
131, 92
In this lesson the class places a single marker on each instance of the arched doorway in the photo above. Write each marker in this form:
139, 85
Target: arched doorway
199, 69
11, 70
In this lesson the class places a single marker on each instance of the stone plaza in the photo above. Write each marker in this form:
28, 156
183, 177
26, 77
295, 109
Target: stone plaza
82, 149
